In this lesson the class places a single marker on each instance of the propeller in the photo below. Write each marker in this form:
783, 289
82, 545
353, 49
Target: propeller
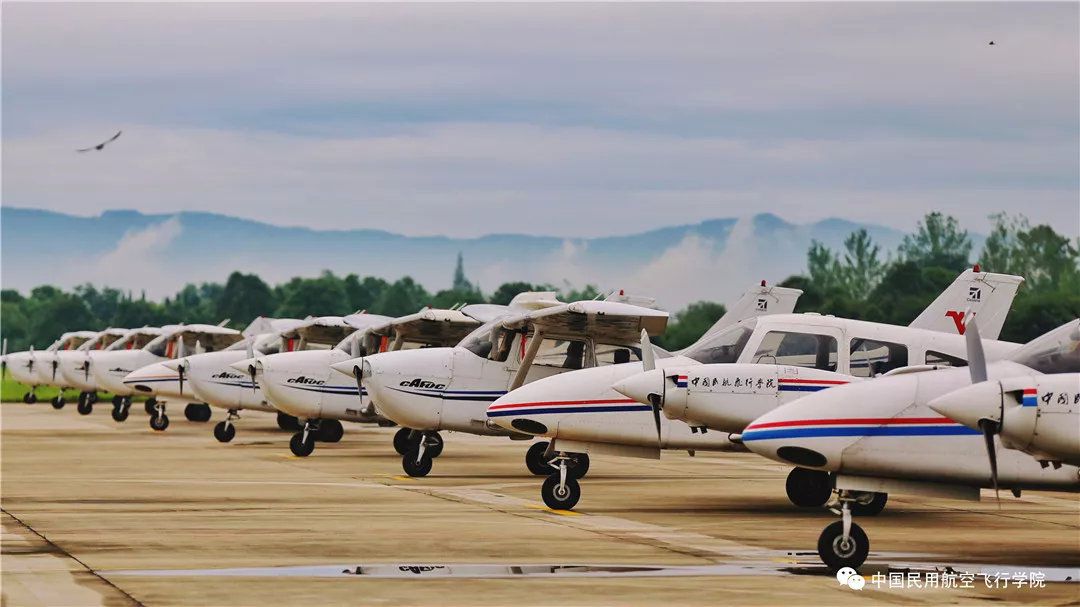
977, 369
181, 353
3, 359
251, 367
86, 368
55, 365
30, 362
357, 351
648, 361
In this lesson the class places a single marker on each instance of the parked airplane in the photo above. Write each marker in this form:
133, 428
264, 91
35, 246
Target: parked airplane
134, 339
74, 366
882, 436
1036, 414
112, 367
304, 385
786, 357
211, 378
450, 388
41, 367
582, 411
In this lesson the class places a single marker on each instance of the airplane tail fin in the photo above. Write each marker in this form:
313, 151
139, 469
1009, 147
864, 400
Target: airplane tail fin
759, 300
985, 294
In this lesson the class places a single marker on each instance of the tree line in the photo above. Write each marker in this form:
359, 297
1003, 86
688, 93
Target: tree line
860, 281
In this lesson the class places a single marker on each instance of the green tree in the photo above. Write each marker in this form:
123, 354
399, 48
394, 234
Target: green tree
508, 290
322, 296
690, 324
244, 298
402, 297
938, 241
363, 293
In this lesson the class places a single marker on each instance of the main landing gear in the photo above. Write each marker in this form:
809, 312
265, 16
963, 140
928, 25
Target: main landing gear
325, 430
86, 402
150, 405
29, 398
809, 488
121, 405
58, 401
843, 543
288, 422
198, 412
560, 490
423, 447
226, 430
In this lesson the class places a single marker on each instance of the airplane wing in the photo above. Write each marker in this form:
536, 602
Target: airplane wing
210, 338
605, 321
429, 326
759, 300
986, 294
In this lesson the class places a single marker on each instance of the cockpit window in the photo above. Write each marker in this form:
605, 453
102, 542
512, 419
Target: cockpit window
490, 341
1055, 352
159, 345
940, 359
870, 358
562, 353
724, 347
798, 350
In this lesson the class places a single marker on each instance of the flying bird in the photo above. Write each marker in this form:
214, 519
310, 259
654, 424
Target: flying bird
991, 43
101, 145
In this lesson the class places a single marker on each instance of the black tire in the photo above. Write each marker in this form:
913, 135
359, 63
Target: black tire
58, 401
84, 398
534, 459
159, 422
29, 398
120, 413
434, 445
92, 397
288, 422
149, 406
415, 468
837, 557
85, 407
808, 488
578, 466
872, 507
301, 447
402, 442
117, 400
330, 431
198, 412
560, 500
224, 432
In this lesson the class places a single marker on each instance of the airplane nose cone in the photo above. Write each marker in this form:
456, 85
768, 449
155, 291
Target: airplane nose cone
174, 365
641, 385
970, 404
244, 366
348, 367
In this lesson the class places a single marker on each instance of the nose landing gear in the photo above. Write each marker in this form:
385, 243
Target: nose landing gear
226, 430
120, 406
58, 401
561, 490
158, 420
417, 460
843, 543
30, 398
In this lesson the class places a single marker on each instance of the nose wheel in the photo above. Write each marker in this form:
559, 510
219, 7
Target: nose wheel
417, 461
303, 442
225, 431
561, 490
85, 406
843, 543
121, 407
158, 420
58, 401
29, 398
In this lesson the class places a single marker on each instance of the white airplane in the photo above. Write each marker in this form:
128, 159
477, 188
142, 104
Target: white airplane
134, 339
74, 366
211, 378
882, 436
784, 360
303, 385
1033, 413
112, 367
450, 388
583, 412
41, 367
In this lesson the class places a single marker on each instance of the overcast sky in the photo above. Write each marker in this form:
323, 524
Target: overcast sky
572, 120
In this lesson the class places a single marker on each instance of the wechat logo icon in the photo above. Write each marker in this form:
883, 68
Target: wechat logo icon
851, 578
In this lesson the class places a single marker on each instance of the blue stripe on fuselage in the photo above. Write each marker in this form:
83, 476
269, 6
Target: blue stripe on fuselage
860, 431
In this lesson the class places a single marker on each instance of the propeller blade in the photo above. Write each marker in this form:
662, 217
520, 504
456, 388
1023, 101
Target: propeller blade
180, 377
976, 356
654, 400
55, 364
648, 357
86, 369
358, 374
251, 368
3, 359
989, 429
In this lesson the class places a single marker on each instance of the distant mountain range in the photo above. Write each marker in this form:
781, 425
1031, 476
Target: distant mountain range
715, 259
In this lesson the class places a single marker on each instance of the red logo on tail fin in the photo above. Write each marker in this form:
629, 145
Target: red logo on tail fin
958, 319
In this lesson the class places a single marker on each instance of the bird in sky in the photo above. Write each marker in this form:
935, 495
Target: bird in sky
991, 43
101, 145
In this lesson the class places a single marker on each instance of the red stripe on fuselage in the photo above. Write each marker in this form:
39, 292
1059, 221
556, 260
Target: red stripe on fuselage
815, 381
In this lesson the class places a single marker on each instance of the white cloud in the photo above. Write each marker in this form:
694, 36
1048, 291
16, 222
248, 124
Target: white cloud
135, 262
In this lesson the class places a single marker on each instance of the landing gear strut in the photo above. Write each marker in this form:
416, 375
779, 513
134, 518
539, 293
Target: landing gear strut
226, 430
417, 461
809, 488
159, 421
121, 405
843, 543
561, 490
303, 442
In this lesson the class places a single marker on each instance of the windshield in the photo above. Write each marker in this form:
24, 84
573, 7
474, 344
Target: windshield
135, 340
723, 347
480, 343
1055, 352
